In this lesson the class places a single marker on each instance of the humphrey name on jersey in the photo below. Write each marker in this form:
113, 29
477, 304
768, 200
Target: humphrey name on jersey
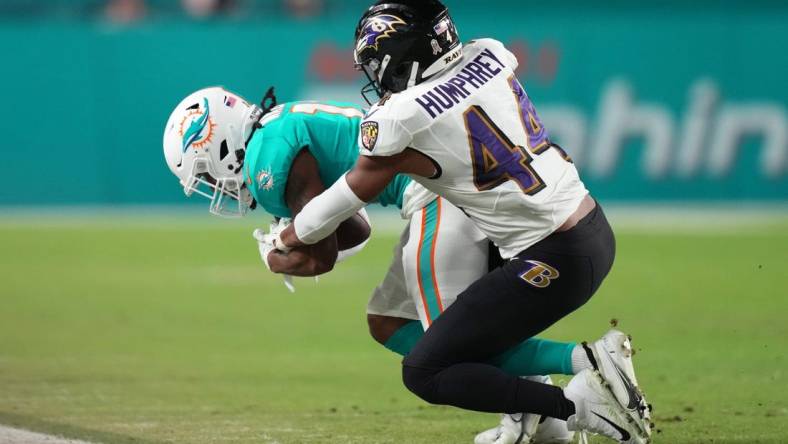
474, 75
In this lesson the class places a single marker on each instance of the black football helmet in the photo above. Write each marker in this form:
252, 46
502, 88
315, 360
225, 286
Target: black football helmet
401, 43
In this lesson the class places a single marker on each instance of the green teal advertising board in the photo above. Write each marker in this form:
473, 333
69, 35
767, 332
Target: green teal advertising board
669, 103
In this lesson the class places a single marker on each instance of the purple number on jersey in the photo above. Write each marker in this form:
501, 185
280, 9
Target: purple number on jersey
537, 135
495, 158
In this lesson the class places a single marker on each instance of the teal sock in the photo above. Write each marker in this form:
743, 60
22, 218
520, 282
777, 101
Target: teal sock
536, 357
403, 340
532, 357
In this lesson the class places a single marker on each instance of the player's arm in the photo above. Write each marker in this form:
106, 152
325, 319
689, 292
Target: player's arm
368, 178
306, 185
303, 184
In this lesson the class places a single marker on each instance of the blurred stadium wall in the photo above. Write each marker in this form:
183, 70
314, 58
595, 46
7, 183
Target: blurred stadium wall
655, 100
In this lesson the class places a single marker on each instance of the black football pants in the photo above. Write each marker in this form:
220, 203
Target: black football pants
512, 303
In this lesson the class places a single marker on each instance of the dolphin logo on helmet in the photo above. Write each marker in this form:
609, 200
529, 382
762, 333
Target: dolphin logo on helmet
193, 134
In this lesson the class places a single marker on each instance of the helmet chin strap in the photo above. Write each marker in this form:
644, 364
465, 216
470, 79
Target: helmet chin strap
383, 66
414, 70
266, 105
269, 101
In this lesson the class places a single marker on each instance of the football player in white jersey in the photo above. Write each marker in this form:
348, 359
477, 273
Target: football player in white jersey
243, 156
456, 120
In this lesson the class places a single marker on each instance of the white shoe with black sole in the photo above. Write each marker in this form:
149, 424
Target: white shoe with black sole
611, 356
598, 411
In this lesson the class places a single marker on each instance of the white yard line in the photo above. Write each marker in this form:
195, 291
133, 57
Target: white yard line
9, 435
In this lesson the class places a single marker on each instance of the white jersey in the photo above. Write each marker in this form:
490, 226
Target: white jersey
492, 153
415, 198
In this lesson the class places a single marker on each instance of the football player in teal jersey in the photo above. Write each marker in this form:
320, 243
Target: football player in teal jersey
279, 157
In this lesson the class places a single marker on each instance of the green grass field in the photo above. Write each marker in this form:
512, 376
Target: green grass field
140, 332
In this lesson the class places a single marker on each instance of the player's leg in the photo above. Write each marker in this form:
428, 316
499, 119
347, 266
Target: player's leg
440, 254
491, 316
523, 428
391, 313
445, 253
502, 309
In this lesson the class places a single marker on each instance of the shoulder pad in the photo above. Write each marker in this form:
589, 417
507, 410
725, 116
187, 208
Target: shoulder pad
387, 129
267, 171
499, 49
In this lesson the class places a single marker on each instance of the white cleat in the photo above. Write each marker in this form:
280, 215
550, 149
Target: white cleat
611, 356
598, 411
517, 428
527, 428
553, 431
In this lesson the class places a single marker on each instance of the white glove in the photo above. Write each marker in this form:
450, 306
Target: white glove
265, 243
276, 229
279, 225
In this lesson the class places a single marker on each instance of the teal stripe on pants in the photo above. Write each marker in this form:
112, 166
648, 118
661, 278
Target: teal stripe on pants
429, 231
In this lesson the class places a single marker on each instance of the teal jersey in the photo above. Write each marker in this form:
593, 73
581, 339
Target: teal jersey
329, 130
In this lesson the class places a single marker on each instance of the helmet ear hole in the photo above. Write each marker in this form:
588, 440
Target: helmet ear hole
223, 150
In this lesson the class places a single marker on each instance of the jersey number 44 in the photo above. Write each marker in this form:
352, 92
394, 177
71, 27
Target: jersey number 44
496, 159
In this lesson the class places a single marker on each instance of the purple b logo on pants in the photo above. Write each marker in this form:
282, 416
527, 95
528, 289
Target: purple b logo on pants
538, 274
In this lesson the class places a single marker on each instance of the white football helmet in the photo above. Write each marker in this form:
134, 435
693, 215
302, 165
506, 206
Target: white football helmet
205, 143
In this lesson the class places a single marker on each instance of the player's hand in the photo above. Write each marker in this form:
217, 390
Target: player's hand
265, 245
276, 229
278, 225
